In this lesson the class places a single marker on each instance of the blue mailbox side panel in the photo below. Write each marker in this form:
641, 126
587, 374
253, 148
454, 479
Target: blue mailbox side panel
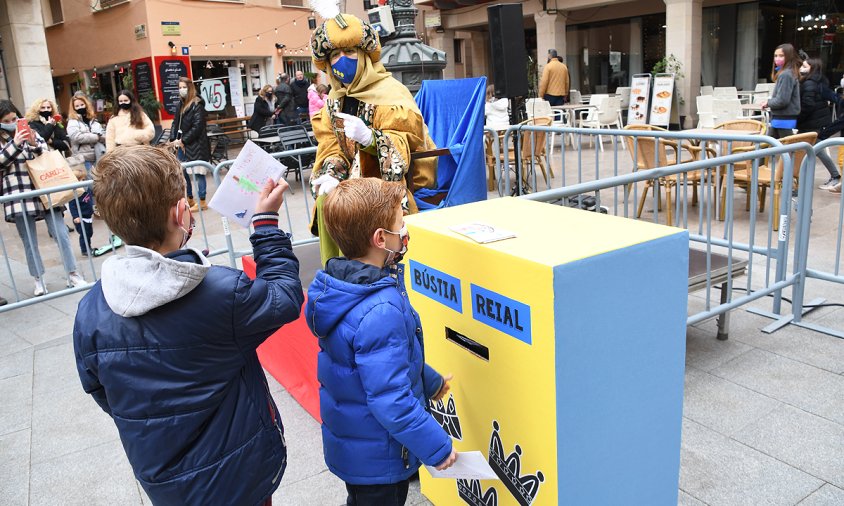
620, 362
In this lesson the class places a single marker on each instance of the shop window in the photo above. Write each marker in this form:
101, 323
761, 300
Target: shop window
458, 51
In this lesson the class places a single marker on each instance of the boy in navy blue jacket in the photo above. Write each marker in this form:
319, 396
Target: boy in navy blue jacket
82, 211
374, 384
165, 342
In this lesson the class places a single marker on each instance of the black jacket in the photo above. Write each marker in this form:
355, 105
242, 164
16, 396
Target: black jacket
814, 107
285, 100
300, 92
260, 114
194, 137
55, 135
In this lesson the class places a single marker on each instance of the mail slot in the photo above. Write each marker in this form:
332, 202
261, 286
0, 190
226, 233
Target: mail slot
567, 345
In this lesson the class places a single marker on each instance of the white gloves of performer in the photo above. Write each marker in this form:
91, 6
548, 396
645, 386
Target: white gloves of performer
326, 183
356, 129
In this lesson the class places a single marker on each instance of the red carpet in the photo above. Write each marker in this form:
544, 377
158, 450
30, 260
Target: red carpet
290, 355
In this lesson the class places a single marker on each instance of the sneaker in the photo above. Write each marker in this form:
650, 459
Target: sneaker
75, 279
40, 287
836, 188
830, 184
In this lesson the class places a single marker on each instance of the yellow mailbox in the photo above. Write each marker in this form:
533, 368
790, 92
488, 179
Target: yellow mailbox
567, 343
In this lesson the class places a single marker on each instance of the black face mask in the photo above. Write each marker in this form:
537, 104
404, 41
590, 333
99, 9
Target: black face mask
82, 112
46, 114
125, 107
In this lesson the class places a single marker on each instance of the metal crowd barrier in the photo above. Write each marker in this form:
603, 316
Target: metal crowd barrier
771, 245
15, 300
817, 267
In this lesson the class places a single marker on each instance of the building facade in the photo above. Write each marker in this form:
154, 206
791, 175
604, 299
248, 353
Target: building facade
53, 48
606, 42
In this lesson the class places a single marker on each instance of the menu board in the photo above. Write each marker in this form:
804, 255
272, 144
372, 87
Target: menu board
142, 75
170, 72
637, 112
236, 91
663, 95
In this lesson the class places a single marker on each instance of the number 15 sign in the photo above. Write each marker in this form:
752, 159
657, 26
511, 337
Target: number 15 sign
214, 93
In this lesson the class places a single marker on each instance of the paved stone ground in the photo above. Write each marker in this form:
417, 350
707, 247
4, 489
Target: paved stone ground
763, 414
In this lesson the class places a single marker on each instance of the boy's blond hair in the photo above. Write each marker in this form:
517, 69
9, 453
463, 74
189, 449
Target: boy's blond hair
357, 208
135, 187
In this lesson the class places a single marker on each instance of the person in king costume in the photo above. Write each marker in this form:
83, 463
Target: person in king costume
370, 124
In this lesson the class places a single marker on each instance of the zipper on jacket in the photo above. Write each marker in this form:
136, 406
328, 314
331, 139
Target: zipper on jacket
405, 457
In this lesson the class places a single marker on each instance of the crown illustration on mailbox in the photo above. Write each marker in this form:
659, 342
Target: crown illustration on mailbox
508, 468
446, 416
471, 492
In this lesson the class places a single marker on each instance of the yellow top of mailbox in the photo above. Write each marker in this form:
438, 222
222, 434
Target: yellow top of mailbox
545, 234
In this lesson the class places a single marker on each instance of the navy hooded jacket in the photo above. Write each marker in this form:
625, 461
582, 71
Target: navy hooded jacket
374, 383
166, 346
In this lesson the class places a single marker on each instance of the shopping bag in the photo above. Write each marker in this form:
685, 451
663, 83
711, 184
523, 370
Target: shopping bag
48, 170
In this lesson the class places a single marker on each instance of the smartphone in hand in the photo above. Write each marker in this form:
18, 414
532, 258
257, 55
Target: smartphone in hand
23, 126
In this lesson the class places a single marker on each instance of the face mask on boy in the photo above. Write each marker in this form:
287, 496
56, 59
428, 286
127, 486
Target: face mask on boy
394, 257
186, 234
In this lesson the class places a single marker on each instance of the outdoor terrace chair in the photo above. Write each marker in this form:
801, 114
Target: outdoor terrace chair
650, 153
768, 178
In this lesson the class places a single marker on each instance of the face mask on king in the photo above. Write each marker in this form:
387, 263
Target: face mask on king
344, 69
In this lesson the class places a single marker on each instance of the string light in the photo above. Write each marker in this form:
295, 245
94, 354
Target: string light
257, 37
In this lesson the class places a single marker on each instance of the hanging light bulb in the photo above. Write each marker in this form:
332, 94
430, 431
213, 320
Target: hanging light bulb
223, 45
294, 22
206, 47
240, 41
258, 37
276, 31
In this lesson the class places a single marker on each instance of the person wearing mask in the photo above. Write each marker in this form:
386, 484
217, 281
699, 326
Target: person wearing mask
316, 99
814, 111
263, 108
370, 124
785, 99
44, 118
554, 84
188, 134
285, 101
300, 93
129, 125
86, 134
16, 147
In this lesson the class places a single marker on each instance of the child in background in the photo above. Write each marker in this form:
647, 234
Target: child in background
82, 211
374, 383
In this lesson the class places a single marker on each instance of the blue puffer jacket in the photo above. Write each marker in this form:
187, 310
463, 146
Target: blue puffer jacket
374, 384
166, 346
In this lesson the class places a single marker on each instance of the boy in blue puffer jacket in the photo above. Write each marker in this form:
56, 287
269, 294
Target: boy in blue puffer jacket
165, 342
374, 383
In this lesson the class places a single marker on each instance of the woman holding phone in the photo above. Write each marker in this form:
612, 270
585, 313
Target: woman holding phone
18, 143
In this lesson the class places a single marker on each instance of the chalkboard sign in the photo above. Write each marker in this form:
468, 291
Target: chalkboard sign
143, 78
169, 72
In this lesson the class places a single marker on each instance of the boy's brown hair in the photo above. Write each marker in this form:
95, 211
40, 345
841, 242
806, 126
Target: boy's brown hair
135, 187
357, 208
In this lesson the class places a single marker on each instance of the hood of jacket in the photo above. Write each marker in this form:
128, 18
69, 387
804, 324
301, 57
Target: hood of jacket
336, 290
142, 279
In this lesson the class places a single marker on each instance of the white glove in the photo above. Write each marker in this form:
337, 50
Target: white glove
356, 129
326, 183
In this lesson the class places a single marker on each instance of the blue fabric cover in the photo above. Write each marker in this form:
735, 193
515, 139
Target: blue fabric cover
184, 385
454, 112
374, 383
